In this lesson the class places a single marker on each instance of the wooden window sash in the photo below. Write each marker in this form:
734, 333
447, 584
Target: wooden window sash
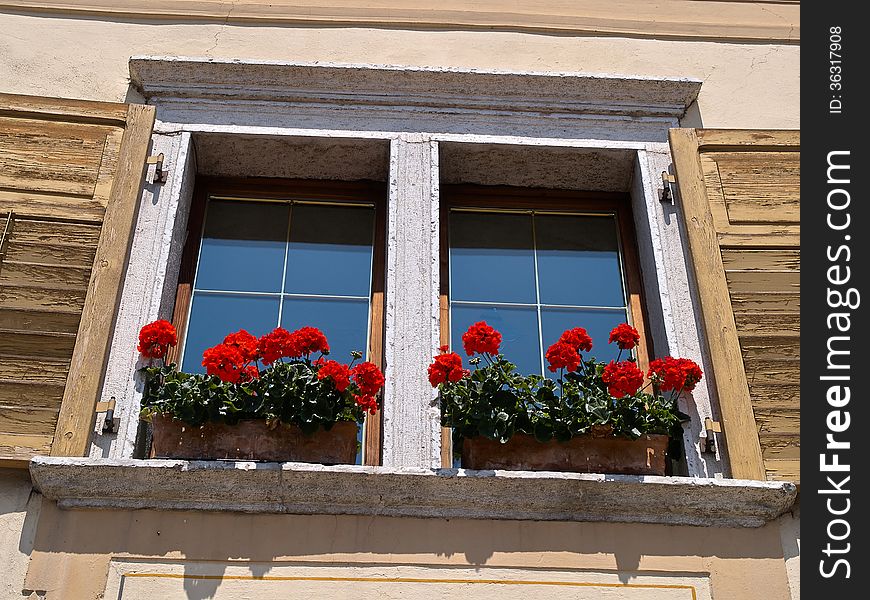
308, 189
543, 199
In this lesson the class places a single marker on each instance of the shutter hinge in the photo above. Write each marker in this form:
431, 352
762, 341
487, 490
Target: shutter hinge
711, 427
668, 180
159, 173
109, 424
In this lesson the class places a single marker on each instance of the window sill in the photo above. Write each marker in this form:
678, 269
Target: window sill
439, 493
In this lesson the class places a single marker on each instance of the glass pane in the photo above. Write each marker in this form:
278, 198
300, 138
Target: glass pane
330, 250
518, 328
213, 316
491, 257
598, 323
243, 246
578, 260
344, 322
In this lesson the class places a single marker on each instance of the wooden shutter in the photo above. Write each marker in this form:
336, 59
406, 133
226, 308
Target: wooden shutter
70, 178
740, 201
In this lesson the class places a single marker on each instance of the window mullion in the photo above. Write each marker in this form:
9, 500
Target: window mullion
284, 272
537, 294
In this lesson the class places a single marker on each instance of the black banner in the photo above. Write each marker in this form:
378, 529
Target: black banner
835, 253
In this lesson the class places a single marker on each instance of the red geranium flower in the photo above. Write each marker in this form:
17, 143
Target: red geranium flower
339, 373
307, 340
156, 338
368, 378
249, 373
447, 367
225, 361
622, 378
578, 339
367, 402
625, 336
246, 344
277, 344
675, 373
481, 339
562, 355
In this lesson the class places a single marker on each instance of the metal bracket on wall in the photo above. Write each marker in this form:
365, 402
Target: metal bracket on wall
711, 427
668, 180
159, 173
109, 424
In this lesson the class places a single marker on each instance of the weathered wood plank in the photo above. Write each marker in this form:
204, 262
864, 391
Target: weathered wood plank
760, 237
51, 254
755, 347
48, 320
36, 343
33, 231
780, 324
84, 111
44, 156
737, 417
25, 297
768, 372
45, 396
783, 470
776, 396
27, 421
777, 421
37, 370
17, 450
52, 206
763, 281
755, 139
766, 301
36, 274
781, 447
761, 260
760, 187
75, 422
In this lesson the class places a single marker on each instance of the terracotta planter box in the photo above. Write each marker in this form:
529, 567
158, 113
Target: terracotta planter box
252, 440
582, 454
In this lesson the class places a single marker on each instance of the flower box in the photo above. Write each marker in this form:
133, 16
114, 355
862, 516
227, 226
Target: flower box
588, 453
261, 398
591, 417
253, 439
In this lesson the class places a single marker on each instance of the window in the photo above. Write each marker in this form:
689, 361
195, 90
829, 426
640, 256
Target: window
533, 263
286, 254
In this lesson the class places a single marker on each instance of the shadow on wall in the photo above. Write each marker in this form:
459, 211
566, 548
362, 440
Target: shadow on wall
261, 539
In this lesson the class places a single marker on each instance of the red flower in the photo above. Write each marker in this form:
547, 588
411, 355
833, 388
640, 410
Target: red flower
339, 373
562, 355
625, 336
275, 345
578, 339
155, 339
246, 344
225, 361
481, 339
447, 367
367, 402
675, 373
249, 373
622, 378
368, 378
307, 340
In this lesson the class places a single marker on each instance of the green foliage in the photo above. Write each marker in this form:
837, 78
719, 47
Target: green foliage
288, 392
496, 402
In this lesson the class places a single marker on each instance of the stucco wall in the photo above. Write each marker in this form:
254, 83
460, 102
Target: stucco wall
19, 513
746, 85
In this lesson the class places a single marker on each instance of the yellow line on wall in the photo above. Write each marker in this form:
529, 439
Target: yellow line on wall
660, 586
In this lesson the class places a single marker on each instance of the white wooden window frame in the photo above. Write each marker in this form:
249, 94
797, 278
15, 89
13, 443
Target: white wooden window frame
604, 126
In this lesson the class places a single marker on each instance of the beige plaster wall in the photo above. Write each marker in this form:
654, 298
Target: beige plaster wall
746, 85
73, 550
19, 513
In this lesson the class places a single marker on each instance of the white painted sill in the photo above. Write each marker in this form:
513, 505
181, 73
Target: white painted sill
301, 488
